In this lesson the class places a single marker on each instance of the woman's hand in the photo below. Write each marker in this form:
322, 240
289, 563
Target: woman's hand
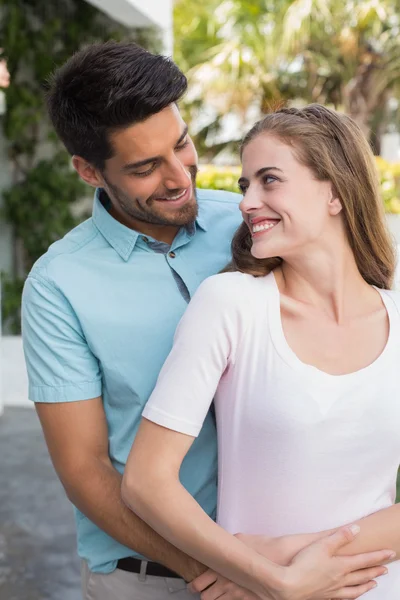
282, 549
317, 573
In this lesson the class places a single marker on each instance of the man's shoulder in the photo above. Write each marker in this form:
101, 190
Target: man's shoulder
71, 246
219, 210
218, 197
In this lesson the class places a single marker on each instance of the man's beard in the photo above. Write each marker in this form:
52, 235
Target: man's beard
149, 213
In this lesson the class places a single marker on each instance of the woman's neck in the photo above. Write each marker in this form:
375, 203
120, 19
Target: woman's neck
327, 279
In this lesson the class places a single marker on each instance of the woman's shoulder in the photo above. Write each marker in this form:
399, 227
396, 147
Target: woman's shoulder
394, 294
232, 282
233, 290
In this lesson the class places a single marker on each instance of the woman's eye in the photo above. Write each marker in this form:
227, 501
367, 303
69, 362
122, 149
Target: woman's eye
269, 179
242, 189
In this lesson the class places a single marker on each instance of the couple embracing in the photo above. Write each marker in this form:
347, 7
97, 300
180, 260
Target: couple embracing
131, 333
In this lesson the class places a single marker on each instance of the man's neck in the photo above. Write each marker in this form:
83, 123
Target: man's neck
161, 233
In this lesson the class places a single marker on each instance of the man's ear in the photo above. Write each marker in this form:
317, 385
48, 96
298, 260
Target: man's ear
335, 204
87, 172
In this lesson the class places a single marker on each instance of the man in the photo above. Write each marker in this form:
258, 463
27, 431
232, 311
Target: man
101, 306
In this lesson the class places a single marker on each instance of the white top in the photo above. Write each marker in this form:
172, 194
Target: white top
299, 450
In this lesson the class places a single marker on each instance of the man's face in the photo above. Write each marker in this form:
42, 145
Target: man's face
151, 177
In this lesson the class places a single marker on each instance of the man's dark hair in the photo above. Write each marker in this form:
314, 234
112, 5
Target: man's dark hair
106, 87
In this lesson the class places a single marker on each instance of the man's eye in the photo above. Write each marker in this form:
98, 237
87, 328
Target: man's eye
144, 173
183, 144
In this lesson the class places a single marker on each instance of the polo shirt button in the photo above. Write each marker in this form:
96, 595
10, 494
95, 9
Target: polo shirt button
172, 254
145, 239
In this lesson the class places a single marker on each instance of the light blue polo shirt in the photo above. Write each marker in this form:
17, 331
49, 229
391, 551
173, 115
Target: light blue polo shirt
99, 313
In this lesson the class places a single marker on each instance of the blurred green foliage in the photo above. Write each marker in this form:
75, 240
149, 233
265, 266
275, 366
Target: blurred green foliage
36, 36
389, 174
218, 178
243, 57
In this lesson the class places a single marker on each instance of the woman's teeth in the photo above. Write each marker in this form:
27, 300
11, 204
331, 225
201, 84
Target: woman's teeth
263, 227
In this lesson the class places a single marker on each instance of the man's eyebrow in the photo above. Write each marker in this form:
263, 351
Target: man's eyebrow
152, 159
259, 173
184, 134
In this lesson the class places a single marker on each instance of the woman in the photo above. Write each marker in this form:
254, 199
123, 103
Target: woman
301, 354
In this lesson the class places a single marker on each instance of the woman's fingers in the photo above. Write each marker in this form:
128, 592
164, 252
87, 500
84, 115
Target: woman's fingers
364, 575
349, 593
369, 559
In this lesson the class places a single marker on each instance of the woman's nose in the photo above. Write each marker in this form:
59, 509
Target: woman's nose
251, 200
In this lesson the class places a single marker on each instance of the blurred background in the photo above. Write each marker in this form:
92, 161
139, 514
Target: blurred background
242, 58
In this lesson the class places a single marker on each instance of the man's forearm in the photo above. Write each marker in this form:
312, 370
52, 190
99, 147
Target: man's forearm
96, 492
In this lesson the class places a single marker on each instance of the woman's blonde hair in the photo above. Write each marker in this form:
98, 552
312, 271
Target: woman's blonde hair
333, 147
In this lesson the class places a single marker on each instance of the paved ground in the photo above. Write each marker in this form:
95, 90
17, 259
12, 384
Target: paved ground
37, 534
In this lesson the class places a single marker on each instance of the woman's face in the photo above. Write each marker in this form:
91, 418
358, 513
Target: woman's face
286, 209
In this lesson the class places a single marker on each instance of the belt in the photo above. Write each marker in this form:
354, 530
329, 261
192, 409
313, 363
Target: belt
135, 565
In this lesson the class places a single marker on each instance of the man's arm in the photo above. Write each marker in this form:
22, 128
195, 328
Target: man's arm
65, 382
77, 438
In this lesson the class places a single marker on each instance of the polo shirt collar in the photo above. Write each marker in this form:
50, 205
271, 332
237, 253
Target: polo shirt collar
201, 219
121, 238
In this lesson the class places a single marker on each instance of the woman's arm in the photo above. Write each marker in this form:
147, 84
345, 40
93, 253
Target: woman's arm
152, 489
379, 530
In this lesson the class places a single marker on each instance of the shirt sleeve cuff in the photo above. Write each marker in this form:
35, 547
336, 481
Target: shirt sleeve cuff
161, 418
65, 393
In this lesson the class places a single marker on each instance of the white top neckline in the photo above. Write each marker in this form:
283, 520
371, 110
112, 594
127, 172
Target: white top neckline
284, 350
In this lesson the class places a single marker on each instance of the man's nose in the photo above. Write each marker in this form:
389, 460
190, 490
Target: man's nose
177, 175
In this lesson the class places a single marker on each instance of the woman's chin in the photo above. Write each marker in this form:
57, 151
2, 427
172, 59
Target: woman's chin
262, 253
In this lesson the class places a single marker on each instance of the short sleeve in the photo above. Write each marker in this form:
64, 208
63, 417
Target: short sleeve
60, 365
203, 350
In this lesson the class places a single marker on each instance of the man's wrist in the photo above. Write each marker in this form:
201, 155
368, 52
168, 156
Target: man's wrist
189, 569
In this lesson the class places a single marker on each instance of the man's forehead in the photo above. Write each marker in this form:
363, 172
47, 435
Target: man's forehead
154, 135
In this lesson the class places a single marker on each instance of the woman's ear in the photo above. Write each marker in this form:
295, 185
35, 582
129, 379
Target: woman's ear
335, 204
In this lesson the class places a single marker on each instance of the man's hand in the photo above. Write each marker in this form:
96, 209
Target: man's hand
211, 586
316, 572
